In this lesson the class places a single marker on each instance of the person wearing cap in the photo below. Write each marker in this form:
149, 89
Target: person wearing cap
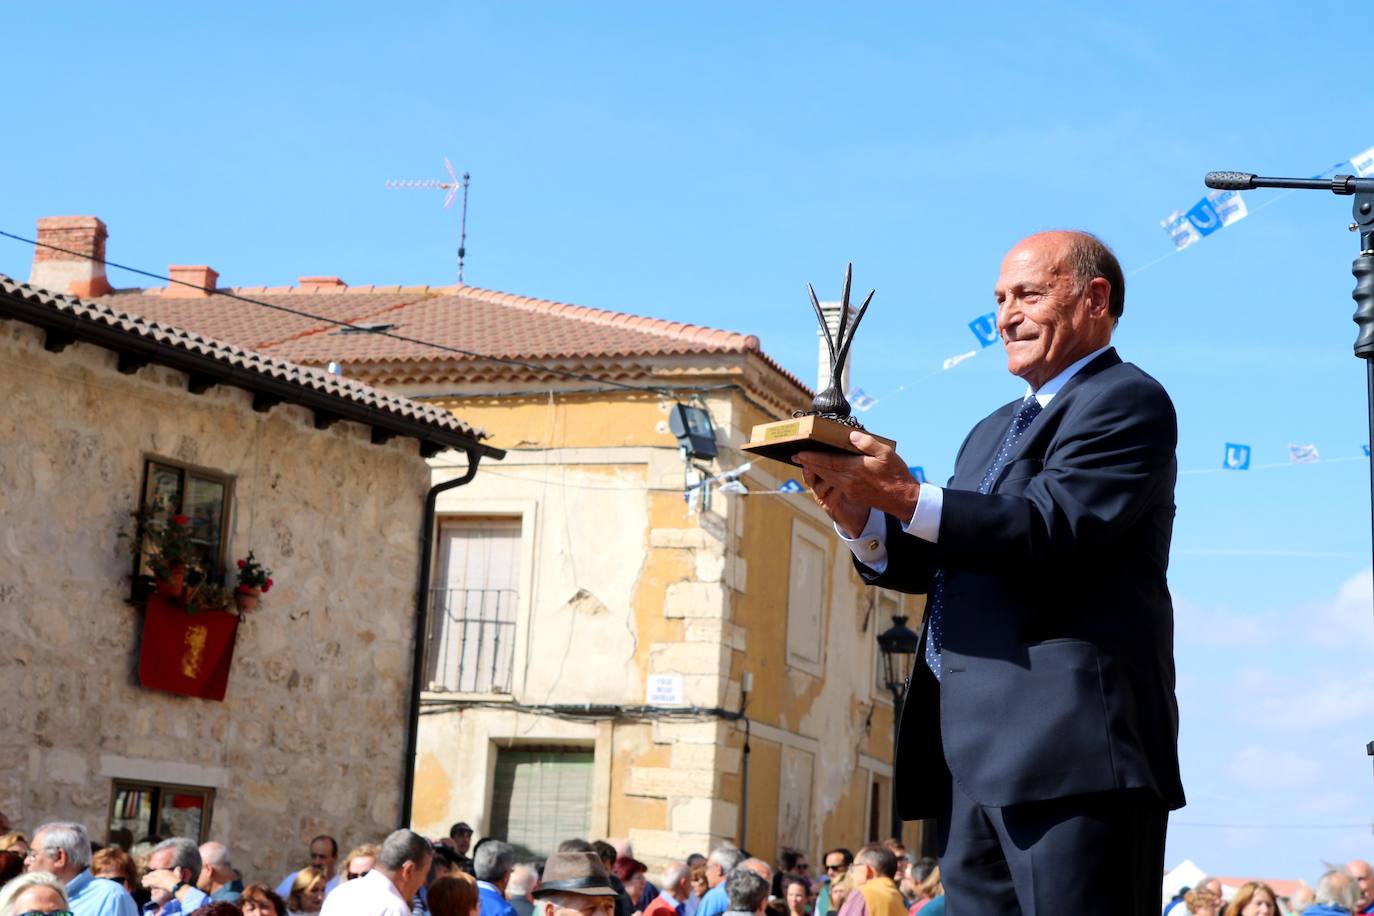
574, 884
460, 841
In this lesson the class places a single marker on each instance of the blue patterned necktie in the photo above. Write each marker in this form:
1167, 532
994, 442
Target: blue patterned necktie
1028, 411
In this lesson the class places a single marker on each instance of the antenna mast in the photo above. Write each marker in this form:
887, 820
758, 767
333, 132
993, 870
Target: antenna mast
452, 186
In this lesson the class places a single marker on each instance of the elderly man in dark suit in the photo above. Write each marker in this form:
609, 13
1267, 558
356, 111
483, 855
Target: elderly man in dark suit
1040, 729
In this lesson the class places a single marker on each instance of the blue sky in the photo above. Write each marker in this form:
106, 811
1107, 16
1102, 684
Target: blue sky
703, 162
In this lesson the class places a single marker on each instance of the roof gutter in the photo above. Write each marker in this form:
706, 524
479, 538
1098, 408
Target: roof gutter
422, 629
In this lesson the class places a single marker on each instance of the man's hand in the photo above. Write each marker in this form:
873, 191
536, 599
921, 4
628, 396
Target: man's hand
162, 879
846, 486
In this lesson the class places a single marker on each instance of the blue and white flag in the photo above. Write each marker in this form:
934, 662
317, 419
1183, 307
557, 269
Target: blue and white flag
1215, 211
860, 401
1302, 454
918, 472
791, 487
984, 327
1237, 457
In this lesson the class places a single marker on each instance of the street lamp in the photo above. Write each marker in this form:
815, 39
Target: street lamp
898, 647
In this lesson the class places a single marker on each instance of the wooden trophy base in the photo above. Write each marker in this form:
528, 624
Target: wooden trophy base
784, 438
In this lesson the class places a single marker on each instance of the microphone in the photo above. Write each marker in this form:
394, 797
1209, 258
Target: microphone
1229, 181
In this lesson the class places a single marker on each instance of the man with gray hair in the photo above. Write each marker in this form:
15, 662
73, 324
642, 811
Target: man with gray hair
64, 850
523, 878
722, 860
672, 900
1336, 894
492, 864
401, 869
217, 875
747, 892
173, 868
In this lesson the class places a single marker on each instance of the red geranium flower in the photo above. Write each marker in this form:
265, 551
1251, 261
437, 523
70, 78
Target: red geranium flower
181, 520
267, 586
242, 563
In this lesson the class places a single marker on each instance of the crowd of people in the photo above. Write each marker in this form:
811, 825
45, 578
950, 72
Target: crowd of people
59, 870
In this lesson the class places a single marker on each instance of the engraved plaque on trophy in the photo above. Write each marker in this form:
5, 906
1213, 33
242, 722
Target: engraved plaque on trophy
827, 425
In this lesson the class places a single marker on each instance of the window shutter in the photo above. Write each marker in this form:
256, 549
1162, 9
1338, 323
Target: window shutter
541, 796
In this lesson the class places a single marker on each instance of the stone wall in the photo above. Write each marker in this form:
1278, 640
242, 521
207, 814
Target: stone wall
311, 734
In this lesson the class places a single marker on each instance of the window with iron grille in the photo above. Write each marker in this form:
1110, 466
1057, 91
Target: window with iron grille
470, 646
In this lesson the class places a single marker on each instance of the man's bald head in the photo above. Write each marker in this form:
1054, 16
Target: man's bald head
1059, 295
1363, 874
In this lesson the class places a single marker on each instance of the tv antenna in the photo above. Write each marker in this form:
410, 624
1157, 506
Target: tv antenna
452, 186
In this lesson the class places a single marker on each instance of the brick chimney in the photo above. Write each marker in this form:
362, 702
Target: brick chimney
81, 273
321, 285
196, 274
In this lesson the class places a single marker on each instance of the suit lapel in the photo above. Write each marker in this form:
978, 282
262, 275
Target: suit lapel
1036, 437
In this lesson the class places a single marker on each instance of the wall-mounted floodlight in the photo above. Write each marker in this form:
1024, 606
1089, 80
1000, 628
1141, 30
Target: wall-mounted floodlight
695, 434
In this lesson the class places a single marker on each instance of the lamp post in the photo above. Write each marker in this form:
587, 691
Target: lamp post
898, 647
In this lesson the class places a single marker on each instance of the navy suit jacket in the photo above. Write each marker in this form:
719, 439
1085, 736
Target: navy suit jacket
1058, 670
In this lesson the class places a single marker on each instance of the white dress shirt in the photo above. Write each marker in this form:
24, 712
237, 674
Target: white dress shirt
870, 547
371, 895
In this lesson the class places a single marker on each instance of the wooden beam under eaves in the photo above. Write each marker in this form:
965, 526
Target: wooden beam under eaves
381, 436
324, 419
430, 449
199, 383
129, 363
55, 341
262, 403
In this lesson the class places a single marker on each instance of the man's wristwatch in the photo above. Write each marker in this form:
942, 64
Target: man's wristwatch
177, 888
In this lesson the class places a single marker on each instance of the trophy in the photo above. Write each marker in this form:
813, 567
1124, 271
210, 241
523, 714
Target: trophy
827, 425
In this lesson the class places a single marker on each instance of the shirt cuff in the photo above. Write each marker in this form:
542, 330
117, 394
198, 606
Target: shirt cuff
870, 547
925, 522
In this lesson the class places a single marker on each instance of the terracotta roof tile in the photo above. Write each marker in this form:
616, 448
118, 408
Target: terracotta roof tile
110, 311
484, 322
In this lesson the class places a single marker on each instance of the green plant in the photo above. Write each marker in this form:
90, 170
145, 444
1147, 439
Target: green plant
253, 574
208, 597
162, 540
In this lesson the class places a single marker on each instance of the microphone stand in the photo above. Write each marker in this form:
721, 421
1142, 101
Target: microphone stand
1363, 191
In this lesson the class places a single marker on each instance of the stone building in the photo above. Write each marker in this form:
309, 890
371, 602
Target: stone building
324, 478
604, 657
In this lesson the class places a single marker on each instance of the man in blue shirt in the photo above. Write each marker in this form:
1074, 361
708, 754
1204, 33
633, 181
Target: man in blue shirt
173, 866
65, 850
324, 855
217, 875
493, 862
719, 863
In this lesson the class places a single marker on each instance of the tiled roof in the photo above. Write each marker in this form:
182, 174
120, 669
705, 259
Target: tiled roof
483, 322
109, 312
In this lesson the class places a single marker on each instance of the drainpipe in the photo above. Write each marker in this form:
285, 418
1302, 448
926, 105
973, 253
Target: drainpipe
422, 628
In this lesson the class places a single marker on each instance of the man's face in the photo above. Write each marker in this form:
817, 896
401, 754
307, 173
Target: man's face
38, 859
461, 842
859, 874
322, 856
835, 866
714, 873
1364, 877
577, 905
1046, 322
159, 860
411, 876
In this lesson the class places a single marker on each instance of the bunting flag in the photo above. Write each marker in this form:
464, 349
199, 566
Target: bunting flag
1217, 210
791, 486
984, 327
918, 472
1302, 454
860, 401
1366, 449
1237, 457
953, 361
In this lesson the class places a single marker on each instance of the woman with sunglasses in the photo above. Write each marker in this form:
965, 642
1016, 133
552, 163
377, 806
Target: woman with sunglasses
38, 893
